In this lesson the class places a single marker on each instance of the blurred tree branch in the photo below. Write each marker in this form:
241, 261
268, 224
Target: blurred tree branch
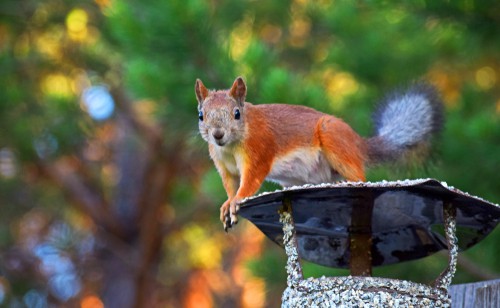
66, 172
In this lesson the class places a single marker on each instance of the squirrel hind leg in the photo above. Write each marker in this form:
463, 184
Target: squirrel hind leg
342, 147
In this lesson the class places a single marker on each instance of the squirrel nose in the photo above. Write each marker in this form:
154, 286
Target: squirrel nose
218, 134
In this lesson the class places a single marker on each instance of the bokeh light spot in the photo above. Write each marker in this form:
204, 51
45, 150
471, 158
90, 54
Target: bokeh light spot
486, 77
205, 250
241, 38
91, 301
254, 293
65, 285
45, 145
7, 163
4, 289
35, 299
299, 31
339, 85
57, 85
76, 23
271, 34
97, 101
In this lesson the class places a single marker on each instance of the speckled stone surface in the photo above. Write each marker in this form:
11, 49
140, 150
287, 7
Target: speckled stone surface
444, 280
364, 291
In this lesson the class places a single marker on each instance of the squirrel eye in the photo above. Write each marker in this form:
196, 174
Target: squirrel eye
237, 114
200, 115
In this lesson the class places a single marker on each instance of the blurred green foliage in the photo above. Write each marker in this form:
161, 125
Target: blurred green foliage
339, 57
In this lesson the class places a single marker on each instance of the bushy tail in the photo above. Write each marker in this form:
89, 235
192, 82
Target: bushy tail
405, 123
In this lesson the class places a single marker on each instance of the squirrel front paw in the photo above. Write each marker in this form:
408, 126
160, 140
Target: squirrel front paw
234, 208
224, 215
228, 213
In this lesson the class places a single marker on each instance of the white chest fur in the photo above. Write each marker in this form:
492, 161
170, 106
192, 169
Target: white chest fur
298, 167
302, 166
230, 158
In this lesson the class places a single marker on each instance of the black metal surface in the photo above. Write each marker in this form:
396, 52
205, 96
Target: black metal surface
407, 222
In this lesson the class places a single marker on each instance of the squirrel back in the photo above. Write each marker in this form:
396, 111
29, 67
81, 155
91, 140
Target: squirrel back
405, 123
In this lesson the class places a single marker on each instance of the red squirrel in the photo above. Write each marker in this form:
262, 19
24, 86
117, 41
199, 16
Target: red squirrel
296, 145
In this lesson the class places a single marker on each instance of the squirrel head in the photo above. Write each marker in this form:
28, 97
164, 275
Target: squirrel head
221, 113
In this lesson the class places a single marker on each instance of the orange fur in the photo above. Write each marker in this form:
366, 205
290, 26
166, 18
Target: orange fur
344, 148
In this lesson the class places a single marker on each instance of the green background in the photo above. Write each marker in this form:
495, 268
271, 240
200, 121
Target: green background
123, 211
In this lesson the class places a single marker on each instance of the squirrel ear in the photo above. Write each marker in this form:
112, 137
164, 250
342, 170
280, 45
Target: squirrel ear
201, 92
239, 91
